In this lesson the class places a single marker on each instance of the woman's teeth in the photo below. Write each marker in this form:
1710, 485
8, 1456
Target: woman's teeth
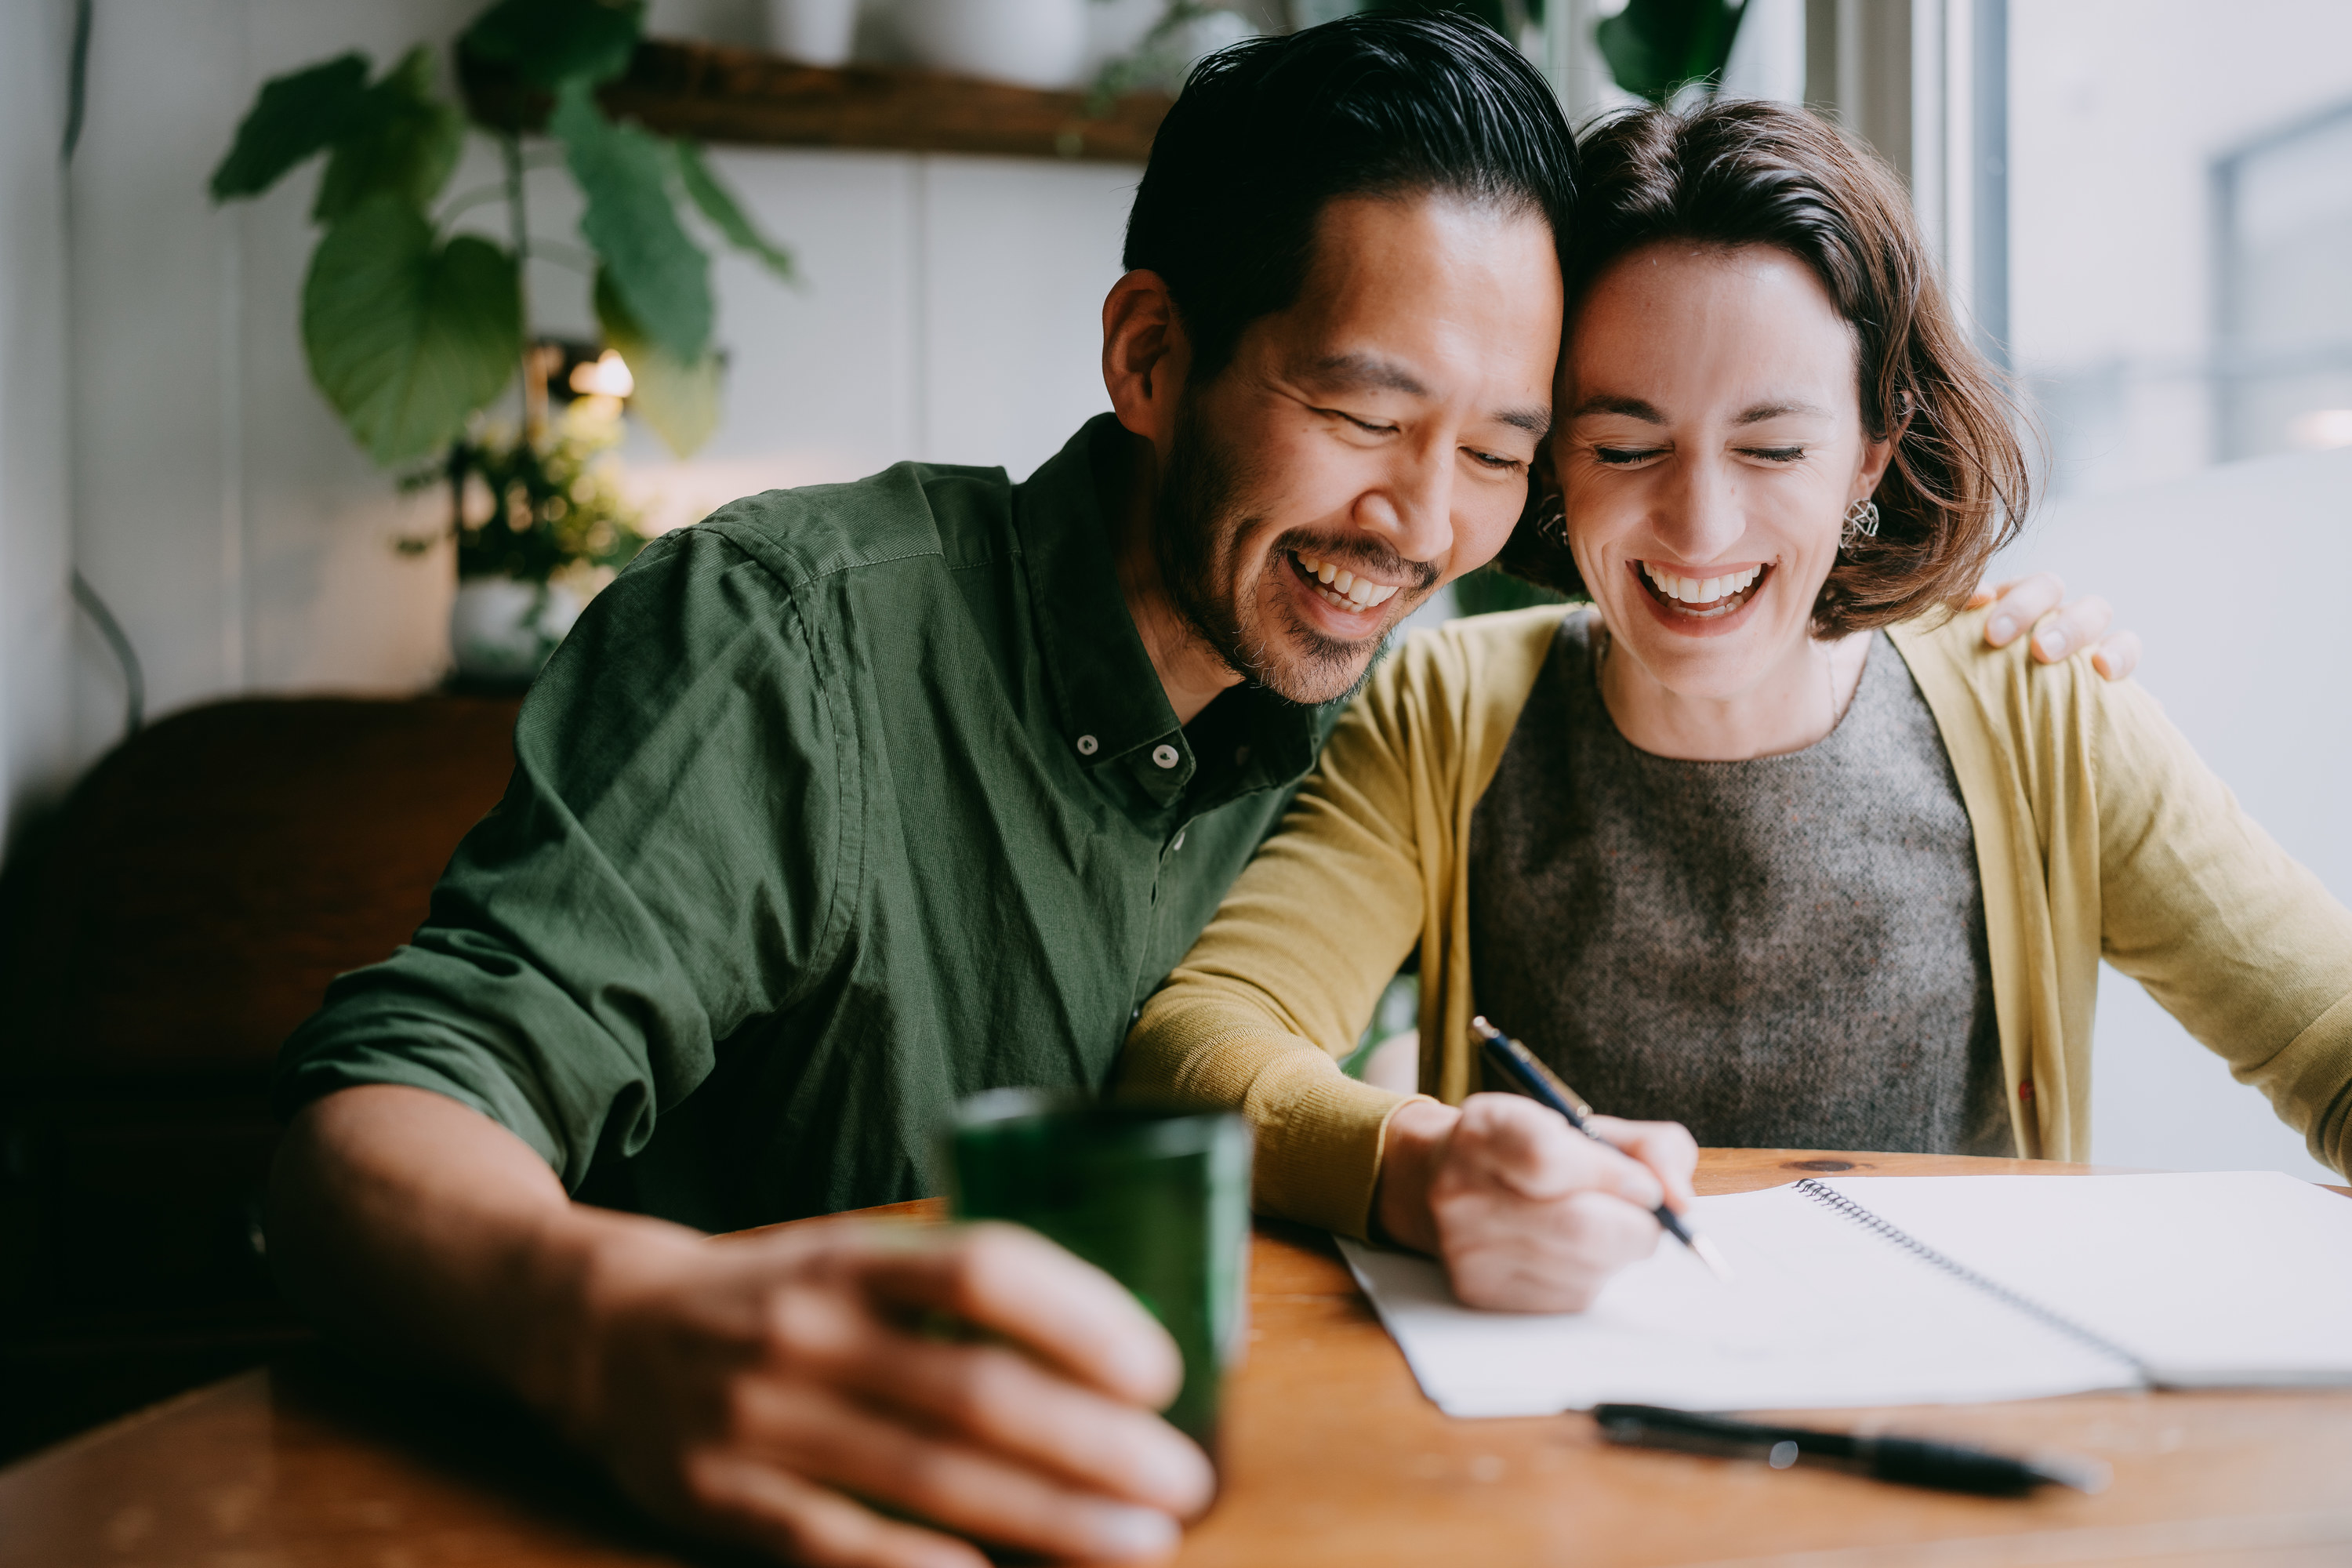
1344, 588
1699, 592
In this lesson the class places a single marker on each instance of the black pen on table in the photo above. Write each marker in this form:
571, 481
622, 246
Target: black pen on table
1914, 1461
1521, 1066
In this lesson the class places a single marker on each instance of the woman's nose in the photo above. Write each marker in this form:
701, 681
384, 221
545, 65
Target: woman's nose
1699, 515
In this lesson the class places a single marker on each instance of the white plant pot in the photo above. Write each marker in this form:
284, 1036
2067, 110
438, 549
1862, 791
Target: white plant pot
1031, 43
502, 630
815, 32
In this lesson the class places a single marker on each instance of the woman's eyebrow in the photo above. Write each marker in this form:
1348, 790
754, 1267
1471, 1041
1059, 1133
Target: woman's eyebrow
1630, 407
1763, 411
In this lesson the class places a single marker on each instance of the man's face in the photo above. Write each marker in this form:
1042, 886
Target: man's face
1366, 445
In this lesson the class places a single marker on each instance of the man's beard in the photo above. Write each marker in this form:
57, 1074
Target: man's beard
1197, 529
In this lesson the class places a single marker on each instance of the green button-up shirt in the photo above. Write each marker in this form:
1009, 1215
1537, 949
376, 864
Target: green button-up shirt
837, 806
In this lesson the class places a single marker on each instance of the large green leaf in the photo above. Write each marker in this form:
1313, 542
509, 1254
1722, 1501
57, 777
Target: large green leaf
656, 269
403, 139
679, 400
407, 337
718, 204
550, 42
296, 115
1656, 47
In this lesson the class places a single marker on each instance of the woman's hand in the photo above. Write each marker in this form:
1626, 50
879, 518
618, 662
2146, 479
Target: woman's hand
1527, 1214
2062, 629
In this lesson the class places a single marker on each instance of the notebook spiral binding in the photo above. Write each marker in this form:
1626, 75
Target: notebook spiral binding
1838, 1201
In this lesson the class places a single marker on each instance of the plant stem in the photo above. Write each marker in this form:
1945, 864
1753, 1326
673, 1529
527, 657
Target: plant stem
534, 370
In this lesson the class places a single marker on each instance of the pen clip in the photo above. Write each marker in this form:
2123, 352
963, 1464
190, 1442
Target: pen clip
1531, 1063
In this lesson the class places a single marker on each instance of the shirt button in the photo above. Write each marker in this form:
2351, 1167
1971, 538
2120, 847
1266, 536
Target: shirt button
1088, 745
1180, 842
1165, 756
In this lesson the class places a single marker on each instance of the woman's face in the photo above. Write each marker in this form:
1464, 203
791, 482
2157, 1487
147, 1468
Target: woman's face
1711, 443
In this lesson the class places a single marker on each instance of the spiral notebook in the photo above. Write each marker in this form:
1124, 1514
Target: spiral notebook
1913, 1291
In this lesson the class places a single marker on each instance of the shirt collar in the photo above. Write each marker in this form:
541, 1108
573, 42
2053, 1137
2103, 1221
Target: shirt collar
1110, 704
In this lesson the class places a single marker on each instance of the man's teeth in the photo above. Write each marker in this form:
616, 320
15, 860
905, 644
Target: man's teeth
1699, 590
1344, 588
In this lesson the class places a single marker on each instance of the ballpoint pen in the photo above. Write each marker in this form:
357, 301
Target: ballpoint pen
1914, 1461
1521, 1066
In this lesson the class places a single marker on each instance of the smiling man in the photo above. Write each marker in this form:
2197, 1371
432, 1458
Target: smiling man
851, 801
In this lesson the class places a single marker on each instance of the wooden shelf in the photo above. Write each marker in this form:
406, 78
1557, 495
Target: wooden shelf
713, 93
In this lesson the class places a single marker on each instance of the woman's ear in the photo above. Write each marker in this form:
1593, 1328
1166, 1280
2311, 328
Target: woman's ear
1145, 355
1877, 455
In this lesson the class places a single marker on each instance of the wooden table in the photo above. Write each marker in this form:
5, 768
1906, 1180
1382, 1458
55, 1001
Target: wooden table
1334, 1457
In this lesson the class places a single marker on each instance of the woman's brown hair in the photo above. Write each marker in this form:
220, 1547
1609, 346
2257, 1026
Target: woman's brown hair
1741, 174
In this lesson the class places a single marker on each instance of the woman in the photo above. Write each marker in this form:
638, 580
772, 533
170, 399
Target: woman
1765, 842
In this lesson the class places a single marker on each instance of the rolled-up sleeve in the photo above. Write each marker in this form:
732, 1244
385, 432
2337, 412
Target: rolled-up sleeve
668, 862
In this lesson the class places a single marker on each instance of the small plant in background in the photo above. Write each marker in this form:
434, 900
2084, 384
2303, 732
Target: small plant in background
411, 328
1659, 49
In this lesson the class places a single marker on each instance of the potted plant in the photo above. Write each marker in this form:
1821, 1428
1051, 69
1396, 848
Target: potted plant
413, 328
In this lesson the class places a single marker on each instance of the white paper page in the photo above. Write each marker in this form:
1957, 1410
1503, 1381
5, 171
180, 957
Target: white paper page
1820, 1314
2240, 1277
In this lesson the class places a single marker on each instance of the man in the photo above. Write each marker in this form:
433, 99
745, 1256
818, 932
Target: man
855, 800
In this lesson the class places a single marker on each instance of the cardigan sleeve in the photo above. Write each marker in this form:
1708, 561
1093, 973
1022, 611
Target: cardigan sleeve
1283, 980
2241, 943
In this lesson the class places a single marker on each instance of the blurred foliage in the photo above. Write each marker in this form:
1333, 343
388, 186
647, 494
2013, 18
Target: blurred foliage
412, 329
532, 509
1490, 589
1657, 49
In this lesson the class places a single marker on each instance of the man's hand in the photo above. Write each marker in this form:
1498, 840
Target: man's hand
1527, 1214
770, 1389
2025, 602
778, 1391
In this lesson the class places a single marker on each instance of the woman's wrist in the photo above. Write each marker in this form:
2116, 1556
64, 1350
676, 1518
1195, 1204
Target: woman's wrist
1411, 1146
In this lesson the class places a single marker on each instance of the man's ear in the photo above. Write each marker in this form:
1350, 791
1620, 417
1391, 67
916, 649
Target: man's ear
1145, 355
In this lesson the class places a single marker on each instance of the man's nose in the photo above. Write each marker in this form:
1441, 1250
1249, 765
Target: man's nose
1412, 509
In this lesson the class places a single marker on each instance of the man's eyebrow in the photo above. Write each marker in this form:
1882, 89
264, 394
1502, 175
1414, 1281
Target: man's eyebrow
1354, 372
1630, 407
1763, 411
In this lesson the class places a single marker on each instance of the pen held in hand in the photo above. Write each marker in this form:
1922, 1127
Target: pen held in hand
1521, 1066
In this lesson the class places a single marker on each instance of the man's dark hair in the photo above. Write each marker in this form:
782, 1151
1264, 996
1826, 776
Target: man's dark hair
1266, 131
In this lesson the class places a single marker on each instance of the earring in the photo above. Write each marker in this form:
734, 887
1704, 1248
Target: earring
1551, 519
1861, 523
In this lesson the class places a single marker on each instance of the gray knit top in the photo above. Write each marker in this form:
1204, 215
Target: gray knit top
1784, 953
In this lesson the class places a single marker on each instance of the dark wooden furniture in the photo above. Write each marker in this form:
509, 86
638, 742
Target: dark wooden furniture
714, 93
1333, 1457
165, 933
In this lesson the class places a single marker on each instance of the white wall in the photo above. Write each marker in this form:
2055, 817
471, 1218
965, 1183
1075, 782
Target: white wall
949, 312
35, 751
2256, 677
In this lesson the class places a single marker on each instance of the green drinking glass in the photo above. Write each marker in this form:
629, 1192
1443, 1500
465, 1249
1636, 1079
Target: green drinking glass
1158, 1199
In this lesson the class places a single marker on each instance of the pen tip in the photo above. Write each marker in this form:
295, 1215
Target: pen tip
1712, 1255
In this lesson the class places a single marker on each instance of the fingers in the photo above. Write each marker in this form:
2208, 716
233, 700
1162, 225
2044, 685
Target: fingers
1550, 1257
1001, 1400
761, 1505
2116, 656
2017, 604
2071, 629
1510, 1140
1062, 1308
1666, 1147
812, 1432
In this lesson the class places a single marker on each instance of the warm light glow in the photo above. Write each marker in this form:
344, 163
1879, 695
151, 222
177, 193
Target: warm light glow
608, 378
2322, 428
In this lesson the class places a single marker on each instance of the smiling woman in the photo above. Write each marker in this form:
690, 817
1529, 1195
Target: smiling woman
1766, 843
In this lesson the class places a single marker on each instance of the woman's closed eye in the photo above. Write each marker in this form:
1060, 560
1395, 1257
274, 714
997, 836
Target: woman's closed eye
1621, 457
1775, 453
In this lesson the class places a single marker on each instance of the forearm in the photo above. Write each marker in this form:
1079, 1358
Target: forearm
409, 1223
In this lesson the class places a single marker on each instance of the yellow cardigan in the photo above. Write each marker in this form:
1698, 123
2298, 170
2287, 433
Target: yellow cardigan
2098, 832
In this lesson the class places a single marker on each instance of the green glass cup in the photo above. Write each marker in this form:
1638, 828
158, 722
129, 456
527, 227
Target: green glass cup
1158, 1199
